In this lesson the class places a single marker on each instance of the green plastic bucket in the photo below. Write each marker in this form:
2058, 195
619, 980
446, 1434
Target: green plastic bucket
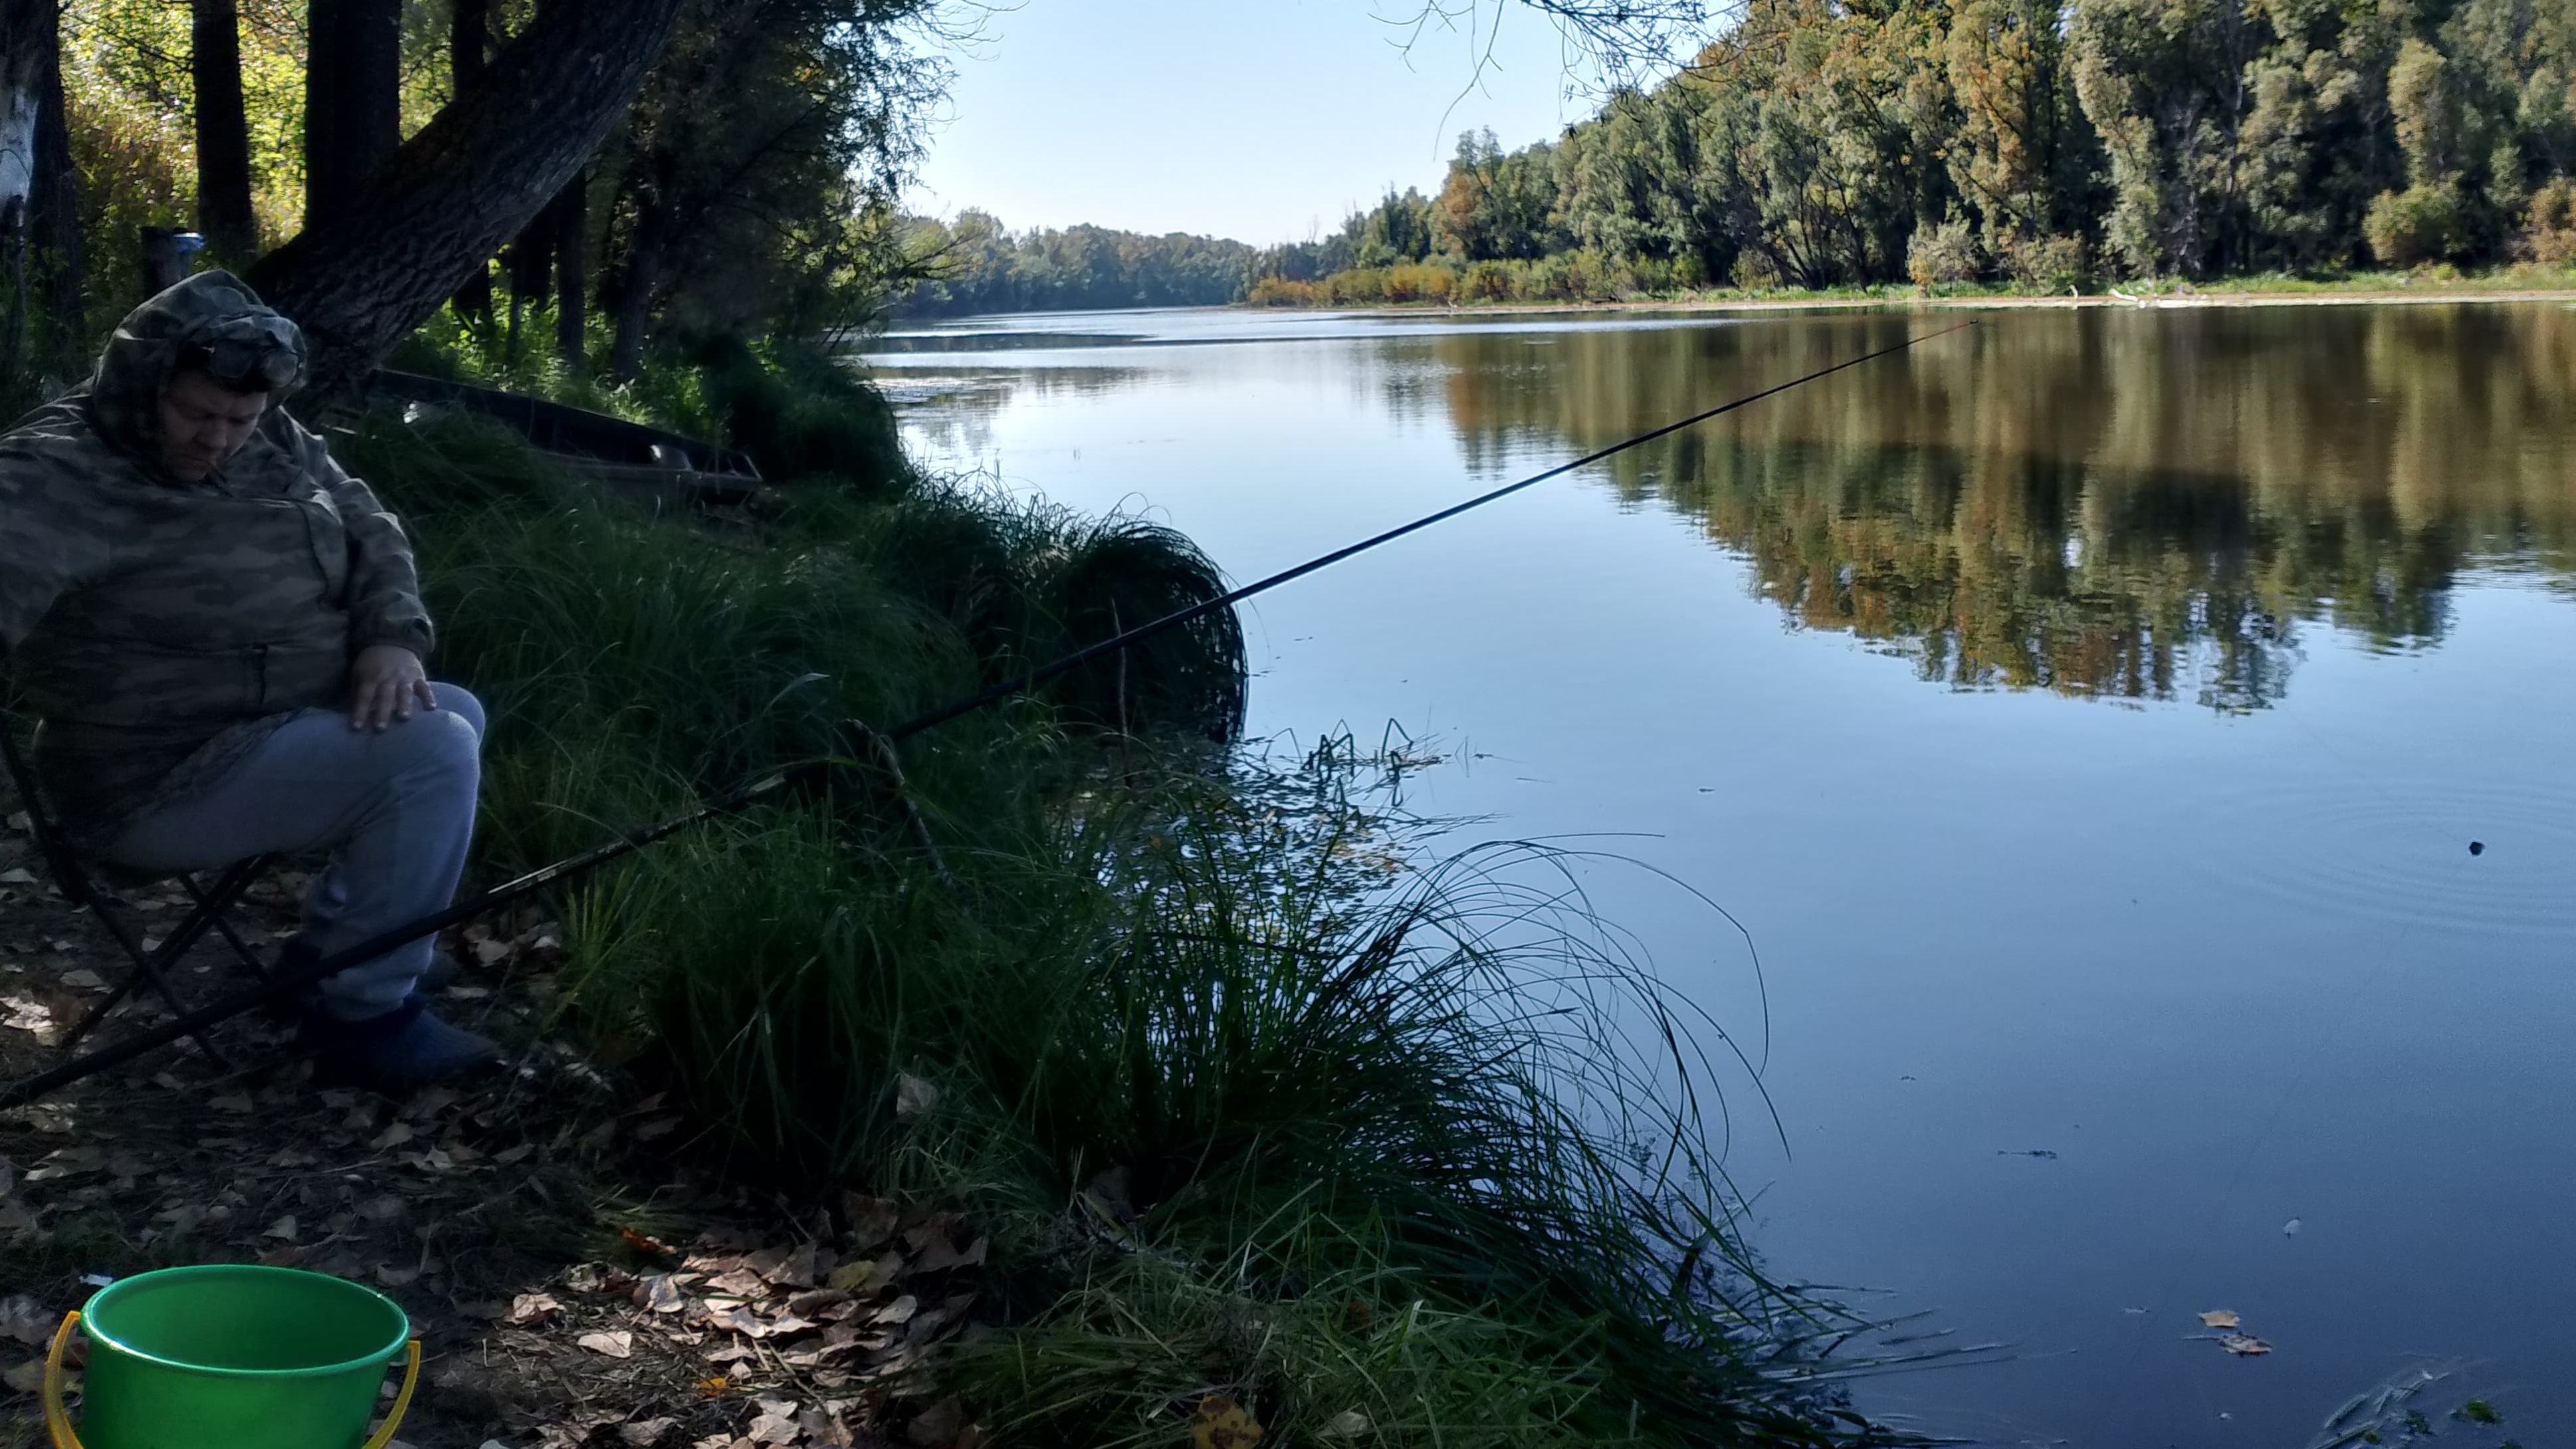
232, 1357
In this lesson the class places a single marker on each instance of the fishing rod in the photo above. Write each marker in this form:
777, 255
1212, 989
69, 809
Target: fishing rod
880, 741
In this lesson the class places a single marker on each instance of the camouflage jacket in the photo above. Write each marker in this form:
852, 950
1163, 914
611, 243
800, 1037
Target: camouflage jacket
161, 628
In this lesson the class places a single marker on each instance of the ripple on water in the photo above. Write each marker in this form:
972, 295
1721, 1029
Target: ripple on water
2398, 851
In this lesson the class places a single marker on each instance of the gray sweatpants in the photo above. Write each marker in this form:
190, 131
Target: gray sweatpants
394, 809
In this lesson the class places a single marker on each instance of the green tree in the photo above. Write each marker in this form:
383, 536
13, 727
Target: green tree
1820, 108
2318, 142
2021, 155
2163, 82
1496, 205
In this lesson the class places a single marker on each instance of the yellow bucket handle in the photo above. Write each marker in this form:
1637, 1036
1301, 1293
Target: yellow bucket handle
59, 1424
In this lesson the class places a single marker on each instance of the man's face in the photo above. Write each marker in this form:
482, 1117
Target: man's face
203, 423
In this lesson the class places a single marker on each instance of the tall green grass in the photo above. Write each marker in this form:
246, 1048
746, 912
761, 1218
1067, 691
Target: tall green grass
1249, 1104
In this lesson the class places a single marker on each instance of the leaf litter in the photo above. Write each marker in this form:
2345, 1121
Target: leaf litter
723, 1322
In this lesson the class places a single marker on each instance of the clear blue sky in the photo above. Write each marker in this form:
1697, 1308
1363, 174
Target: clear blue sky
1256, 119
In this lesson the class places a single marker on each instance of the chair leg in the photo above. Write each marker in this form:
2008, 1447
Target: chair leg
148, 966
163, 956
218, 902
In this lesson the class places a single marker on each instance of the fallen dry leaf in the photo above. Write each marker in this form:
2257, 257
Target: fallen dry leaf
658, 1294
776, 1424
25, 1013
2244, 1345
645, 1433
812, 1302
937, 1426
1221, 1423
25, 1319
2220, 1318
648, 1245
620, 1344
825, 1429
913, 1096
284, 1229
237, 1104
529, 1307
899, 1311
85, 979
872, 1219
17, 875
25, 1378
867, 1277
797, 1269
740, 1283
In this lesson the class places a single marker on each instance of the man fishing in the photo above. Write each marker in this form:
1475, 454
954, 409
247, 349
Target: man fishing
223, 633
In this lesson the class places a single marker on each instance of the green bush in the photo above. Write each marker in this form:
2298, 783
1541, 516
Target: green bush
2418, 225
2049, 263
801, 414
1943, 255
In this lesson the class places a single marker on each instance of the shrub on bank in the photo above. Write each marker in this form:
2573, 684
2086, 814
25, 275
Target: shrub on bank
1578, 276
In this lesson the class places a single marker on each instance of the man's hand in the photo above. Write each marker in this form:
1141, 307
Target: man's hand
386, 680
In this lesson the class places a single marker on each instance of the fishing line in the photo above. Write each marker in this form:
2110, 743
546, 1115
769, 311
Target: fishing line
872, 743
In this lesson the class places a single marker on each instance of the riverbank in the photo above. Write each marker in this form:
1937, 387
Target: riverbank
1203, 1107
2519, 284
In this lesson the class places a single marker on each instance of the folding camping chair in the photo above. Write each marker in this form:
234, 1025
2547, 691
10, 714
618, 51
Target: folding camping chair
94, 884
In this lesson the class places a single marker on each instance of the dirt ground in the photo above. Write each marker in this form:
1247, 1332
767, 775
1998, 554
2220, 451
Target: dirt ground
572, 1277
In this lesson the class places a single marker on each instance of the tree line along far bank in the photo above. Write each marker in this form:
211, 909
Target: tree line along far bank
1942, 142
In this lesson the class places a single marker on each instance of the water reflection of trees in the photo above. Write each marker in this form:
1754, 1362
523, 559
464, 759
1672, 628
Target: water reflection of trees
2127, 504
950, 414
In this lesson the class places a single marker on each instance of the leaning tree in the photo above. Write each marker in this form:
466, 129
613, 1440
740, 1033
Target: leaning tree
427, 219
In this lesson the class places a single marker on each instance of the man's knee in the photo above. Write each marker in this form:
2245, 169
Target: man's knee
443, 742
457, 700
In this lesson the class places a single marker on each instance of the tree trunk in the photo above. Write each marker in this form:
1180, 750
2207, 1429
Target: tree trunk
39, 190
352, 101
25, 30
475, 176
469, 41
572, 281
639, 278
324, 183
223, 134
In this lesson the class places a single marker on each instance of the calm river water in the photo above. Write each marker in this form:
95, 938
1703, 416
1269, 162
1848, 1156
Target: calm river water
2090, 716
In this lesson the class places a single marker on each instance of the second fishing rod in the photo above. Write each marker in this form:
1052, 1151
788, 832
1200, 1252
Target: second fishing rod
867, 744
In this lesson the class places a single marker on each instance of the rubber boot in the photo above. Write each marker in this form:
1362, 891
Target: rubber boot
405, 1049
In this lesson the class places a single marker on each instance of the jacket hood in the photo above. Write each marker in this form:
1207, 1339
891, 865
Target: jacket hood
125, 393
